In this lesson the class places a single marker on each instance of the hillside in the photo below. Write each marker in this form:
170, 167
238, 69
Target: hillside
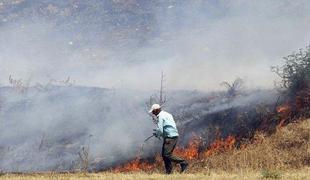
57, 124
288, 148
282, 155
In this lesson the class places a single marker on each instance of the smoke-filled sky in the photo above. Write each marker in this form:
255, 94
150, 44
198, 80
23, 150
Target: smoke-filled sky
127, 43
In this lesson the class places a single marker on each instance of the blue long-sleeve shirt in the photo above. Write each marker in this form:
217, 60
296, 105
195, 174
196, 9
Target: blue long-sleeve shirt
166, 126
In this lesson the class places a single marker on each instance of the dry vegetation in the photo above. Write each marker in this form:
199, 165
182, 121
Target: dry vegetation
291, 175
283, 155
288, 148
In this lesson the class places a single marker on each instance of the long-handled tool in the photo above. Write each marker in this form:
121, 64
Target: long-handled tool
149, 138
146, 141
142, 145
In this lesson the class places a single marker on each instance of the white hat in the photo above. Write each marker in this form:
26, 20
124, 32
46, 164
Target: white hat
154, 106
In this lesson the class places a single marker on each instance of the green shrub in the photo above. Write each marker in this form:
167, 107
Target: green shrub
295, 73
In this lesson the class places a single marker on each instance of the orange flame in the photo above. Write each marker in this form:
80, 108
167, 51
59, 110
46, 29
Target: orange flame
190, 152
134, 165
284, 112
138, 165
220, 146
285, 108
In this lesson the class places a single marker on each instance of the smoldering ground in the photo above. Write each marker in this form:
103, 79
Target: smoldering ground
124, 45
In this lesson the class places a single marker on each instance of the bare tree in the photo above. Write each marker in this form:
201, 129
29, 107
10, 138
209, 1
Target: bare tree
84, 155
44, 87
18, 84
1, 100
159, 98
162, 95
66, 82
234, 88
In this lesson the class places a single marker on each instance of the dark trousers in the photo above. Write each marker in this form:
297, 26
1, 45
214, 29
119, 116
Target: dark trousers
167, 150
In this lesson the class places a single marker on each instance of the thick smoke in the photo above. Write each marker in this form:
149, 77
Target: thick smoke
123, 46
47, 130
112, 43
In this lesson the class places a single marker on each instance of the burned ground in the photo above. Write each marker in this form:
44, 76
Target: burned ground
48, 129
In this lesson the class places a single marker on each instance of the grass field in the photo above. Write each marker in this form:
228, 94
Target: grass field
295, 174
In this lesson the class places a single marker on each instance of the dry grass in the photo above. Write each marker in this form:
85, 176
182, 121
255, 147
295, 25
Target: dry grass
288, 148
295, 174
283, 155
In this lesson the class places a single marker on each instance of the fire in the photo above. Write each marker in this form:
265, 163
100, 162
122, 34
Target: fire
138, 164
284, 113
190, 152
220, 146
283, 109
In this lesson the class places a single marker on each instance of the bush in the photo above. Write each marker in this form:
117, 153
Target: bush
295, 73
295, 81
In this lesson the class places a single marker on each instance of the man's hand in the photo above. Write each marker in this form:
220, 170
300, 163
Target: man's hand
155, 133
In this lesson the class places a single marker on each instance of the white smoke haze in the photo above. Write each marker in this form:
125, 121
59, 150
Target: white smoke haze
46, 130
194, 39
114, 53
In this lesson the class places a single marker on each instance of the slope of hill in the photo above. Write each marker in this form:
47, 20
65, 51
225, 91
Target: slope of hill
283, 155
288, 148
48, 129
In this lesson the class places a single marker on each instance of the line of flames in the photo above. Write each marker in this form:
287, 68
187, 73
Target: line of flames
191, 152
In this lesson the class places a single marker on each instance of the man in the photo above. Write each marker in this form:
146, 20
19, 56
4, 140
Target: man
168, 130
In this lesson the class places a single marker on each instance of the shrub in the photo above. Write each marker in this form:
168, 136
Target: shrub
295, 81
295, 73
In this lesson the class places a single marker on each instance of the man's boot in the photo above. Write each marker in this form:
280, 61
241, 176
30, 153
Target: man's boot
184, 166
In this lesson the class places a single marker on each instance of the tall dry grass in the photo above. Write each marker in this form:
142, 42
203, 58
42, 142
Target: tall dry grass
289, 175
283, 155
287, 149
